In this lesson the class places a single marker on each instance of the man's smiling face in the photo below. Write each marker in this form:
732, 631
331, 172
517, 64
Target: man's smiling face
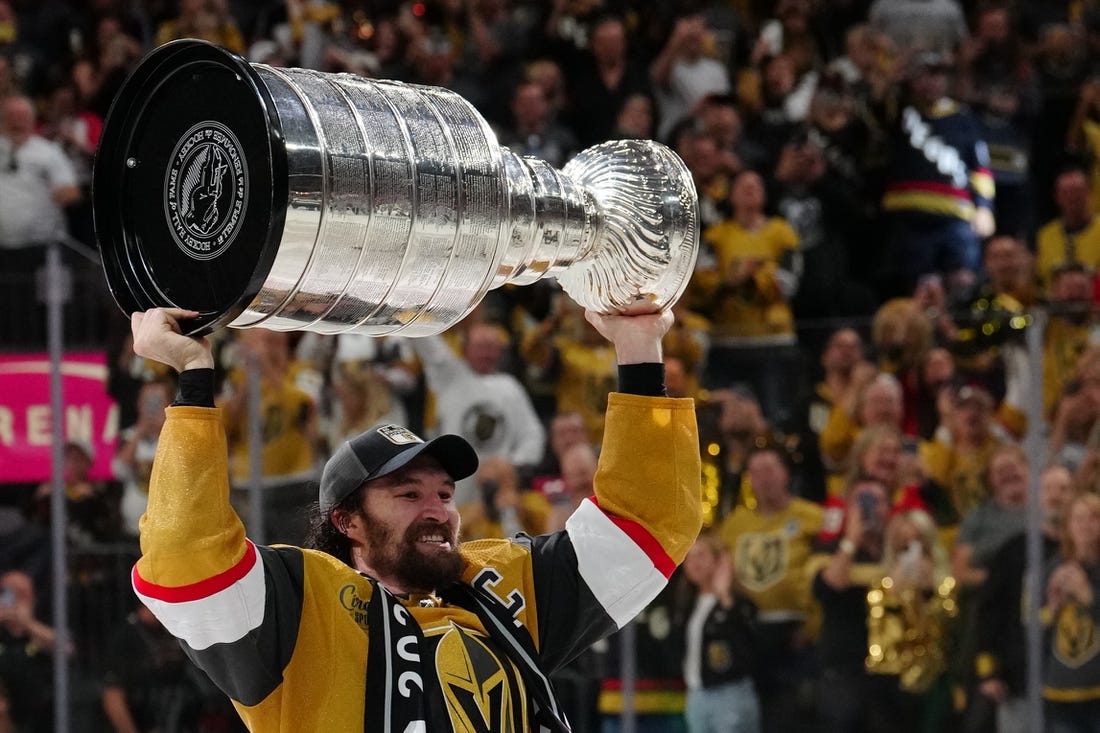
406, 532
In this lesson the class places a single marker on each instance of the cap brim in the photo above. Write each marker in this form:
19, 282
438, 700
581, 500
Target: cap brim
458, 457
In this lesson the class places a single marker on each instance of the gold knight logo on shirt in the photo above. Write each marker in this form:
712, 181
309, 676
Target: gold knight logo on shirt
1076, 640
761, 559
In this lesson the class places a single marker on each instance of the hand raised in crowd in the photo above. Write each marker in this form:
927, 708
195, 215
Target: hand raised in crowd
995, 689
945, 406
743, 269
683, 33
1090, 94
17, 616
1068, 583
497, 472
722, 582
863, 374
984, 223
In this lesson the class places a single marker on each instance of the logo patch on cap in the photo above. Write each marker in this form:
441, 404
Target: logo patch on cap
399, 435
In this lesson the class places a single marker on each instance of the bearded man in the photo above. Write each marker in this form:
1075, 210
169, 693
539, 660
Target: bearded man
392, 623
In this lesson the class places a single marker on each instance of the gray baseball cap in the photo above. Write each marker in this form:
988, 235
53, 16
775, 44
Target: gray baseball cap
382, 450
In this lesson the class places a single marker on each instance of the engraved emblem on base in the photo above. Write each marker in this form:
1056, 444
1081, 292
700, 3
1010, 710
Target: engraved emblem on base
296, 200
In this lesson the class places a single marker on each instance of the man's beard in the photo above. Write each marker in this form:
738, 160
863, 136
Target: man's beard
414, 567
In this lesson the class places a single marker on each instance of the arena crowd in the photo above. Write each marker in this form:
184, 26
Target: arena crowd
889, 191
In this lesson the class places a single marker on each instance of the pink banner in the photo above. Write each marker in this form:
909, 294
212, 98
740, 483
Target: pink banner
26, 427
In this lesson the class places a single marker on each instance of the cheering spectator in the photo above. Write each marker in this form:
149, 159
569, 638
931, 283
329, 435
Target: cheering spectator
26, 649
37, 182
1063, 65
578, 470
852, 700
1068, 331
719, 644
1000, 663
533, 132
1074, 236
502, 508
602, 80
288, 413
1084, 136
735, 427
91, 510
909, 622
755, 271
782, 105
825, 210
998, 81
958, 456
363, 399
567, 429
939, 189
769, 543
684, 73
635, 119
1071, 678
872, 399
477, 401
982, 533
209, 20
569, 352
133, 463
842, 352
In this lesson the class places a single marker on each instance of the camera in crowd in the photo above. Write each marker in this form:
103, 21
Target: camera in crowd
987, 325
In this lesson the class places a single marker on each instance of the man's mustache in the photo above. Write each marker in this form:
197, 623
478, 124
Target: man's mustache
418, 530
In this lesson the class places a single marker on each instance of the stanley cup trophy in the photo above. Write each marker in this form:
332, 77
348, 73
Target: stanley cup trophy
296, 200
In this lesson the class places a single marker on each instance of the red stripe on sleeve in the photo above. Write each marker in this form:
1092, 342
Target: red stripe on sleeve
201, 589
643, 539
929, 187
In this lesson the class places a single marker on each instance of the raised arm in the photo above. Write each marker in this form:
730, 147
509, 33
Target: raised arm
189, 533
197, 572
626, 540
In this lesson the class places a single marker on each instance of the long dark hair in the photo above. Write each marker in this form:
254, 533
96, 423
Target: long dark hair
322, 533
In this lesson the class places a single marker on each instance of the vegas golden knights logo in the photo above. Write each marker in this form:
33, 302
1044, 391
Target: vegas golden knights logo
1076, 640
760, 559
481, 687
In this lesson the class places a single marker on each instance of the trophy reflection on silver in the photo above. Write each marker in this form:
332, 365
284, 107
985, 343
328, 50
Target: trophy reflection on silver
296, 200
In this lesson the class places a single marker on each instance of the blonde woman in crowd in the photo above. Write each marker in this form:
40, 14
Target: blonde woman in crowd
909, 614
1071, 682
719, 644
362, 399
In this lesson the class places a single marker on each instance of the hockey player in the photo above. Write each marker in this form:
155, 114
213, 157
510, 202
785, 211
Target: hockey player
404, 628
